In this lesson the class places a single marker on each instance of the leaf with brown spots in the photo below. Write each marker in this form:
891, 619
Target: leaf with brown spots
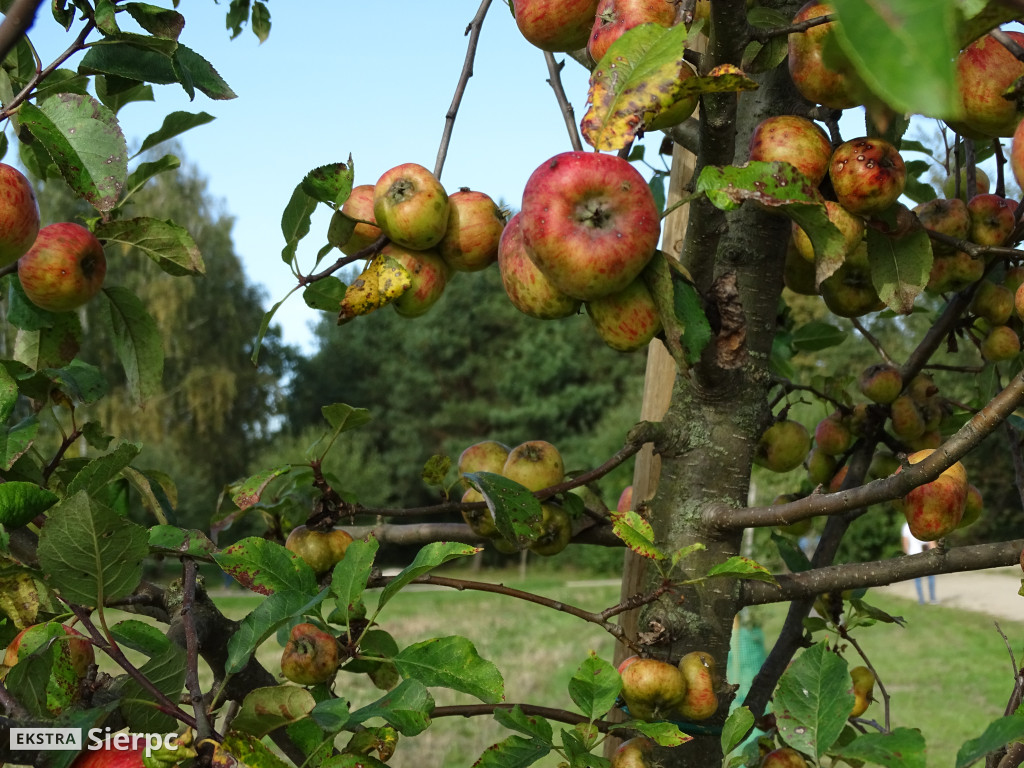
383, 281
265, 709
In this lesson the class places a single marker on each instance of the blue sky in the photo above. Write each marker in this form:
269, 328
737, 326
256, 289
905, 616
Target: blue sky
344, 76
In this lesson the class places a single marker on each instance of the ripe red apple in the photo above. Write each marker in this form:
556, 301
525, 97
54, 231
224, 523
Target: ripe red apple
783, 446
625, 502
992, 219
795, 140
652, 689
535, 464
310, 656
851, 227
555, 25
984, 70
527, 287
360, 206
411, 206
949, 217
321, 550
868, 175
475, 224
429, 276
19, 215
934, 509
816, 82
111, 758
589, 223
616, 16
626, 320
485, 456
64, 268
701, 700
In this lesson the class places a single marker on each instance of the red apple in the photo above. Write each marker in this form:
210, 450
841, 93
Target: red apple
64, 268
616, 16
429, 276
555, 25
626, 320
954, 272
993, 302
795, 140
475, 224
589, 223
984, 70
411, 206
360, 206
19, 215
815, 81
111, 757
527, 287
625, 503
868, 175
934, 509
992, 219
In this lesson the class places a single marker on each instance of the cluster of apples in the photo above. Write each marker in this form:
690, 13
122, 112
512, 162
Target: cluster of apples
62, 265
913, 414
432, 234
587, 228
535, 465
658, 690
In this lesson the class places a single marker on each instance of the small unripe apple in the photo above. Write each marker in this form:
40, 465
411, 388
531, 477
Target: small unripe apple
948, 217
863, 683
907, 419
410, 206
868, 175
880, 383
783, 446
652, 689
360, 206
429, 276
626, 320
821, 466
851, 227
832, 435
992, 219
795, 140
992, 302
973, 507
555, 531
817, 82
1001, 343
321, 550
935, 509
1014, 278
633, 753
529, 289
480, 520
555, 25
475, 224
485, 456
783, 757
798, 273
535, 464
850, 291
64, 268
19, 215
981, 182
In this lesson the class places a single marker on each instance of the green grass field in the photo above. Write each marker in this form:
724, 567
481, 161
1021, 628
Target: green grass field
947, 671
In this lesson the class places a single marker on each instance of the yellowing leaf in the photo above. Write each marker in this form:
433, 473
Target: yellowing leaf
383, 281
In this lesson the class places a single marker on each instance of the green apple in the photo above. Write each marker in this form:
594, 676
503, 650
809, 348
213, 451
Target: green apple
411, 206
321, 550
783, 446
535, 464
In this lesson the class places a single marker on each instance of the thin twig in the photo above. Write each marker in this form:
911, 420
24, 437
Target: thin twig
555, 81
204, 729
764, 34
872, 340
16, 23
549, 713
473, 30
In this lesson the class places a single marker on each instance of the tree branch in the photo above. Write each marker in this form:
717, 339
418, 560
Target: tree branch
473, 30
559, 715
16, 23
555, 81
204, 729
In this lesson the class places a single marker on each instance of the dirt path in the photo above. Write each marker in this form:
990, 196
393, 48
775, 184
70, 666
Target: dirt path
992, 592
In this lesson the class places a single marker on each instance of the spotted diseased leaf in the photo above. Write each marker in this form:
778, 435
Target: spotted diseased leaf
773, 184
266, 567
166, 243
739, 567
452, 662
637, 534
662, 732
248, 493
639, 74
813, 700
383, 281
900, 266
330, 183
517, 512
265, 709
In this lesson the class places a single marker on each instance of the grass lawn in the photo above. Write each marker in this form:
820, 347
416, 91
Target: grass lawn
948, 671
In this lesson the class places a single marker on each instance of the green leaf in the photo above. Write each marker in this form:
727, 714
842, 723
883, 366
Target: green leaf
157, 492
595, 686
762, 57
330, 184
248, 492
295, 221
813, 700
167, 672
534, 726
517, 512
84, 140
772, 184
736, 728
513, 752
816, 336
140, 636
690, 312
427, 559
794, 557
170, 539
155, 20
146, 171
900, 266
263, 621
331, 714
50, 347
637, 534
407, 707
349, 577
16, 440
137, 342
999, 733
436, 469
663, 732
904, 50
901, 748
325, 294
196, 73
20, 502
452, 662
166, 243
260, 21
116, 91
89, 553
343, 418
739, 567
99, 471
266, 567
8, 394
266, 709
175, 124
81, 381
